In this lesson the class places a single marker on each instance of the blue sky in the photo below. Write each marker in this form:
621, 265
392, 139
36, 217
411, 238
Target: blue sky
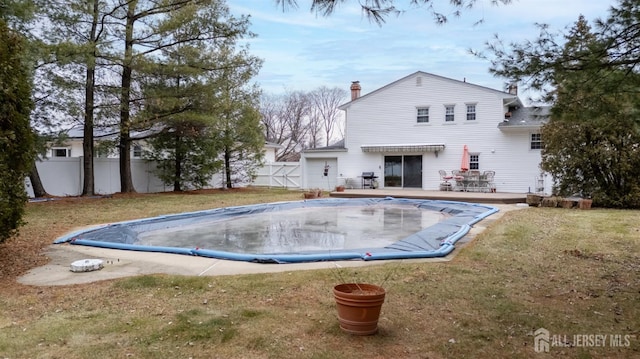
302, 51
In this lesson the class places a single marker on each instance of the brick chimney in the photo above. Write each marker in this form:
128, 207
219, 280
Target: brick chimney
355, 90
513, 89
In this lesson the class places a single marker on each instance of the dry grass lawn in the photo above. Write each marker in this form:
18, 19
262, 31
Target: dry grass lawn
572, 272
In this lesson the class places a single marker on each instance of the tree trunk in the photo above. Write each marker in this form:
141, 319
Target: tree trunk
88, 185
177, 178
227, 167
126, 183
36, 182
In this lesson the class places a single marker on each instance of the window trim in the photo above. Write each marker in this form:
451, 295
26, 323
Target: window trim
474, 113
452, 114
418, 116
66, 150
474, 165
134, 149
535, 144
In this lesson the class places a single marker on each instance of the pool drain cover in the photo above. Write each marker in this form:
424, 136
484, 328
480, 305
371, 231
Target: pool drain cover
86, 265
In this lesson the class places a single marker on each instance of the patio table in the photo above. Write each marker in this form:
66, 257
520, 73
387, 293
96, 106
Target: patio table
472, 181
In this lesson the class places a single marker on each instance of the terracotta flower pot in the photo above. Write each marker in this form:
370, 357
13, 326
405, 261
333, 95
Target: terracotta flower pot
340, 189
359, 307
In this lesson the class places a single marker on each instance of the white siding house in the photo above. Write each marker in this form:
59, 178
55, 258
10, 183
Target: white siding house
408, 130
71, 146
104, 143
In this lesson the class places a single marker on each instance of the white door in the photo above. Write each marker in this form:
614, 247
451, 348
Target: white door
321, 173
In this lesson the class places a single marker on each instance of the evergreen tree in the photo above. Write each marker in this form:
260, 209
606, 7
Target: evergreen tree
591, 143
186, 152
186, 148
149, 28
379, 10
239, 128
74, 38
16, 137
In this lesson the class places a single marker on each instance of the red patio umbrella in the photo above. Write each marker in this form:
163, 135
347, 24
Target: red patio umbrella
465, 159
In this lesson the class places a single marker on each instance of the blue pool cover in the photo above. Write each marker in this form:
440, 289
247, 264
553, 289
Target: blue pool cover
437, 240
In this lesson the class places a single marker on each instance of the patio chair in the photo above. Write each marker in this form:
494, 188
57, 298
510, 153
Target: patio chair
459, 180
444, 181
488, 180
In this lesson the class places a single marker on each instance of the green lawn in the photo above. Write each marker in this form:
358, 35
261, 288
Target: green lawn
574, 273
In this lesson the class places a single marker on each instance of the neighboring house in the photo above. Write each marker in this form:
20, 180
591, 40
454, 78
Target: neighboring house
104, 142
409, 129
270, 149
62, 171
105, 145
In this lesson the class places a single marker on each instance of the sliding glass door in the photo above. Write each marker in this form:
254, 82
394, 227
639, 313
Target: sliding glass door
403, 171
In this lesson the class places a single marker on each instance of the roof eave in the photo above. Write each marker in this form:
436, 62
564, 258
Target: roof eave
519, 127
320, 150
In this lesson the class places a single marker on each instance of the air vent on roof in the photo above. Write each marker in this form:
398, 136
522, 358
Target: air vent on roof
419, 81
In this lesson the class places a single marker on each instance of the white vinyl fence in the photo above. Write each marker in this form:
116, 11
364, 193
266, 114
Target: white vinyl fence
63, 176
279, 174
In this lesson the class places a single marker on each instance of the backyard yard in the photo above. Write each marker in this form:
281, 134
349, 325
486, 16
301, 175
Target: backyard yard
564, 282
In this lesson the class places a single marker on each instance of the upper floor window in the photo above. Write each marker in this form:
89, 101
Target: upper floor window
423, 115
449, 111
60, 152
137, 151
536, 141
474, 161
471, 112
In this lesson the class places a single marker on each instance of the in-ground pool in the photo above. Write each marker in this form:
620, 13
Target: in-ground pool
299, 231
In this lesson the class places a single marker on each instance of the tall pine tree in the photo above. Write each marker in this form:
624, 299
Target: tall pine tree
16, 138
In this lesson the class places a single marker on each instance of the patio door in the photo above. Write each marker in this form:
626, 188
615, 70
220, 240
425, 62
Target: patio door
403, 171
412, 171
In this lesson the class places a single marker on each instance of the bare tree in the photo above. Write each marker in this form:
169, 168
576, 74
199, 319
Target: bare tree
325, 104
315, 126
270, 109
286, 122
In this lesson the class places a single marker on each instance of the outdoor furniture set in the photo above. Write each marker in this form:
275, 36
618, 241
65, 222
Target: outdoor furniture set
467, 181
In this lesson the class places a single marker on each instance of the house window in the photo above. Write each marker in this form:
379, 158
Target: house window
474, 161
60, 152
471, 112
536, 141
423, 115
137, 151
448, 113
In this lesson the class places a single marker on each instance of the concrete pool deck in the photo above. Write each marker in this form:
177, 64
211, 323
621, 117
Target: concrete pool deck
472, 197
124, 263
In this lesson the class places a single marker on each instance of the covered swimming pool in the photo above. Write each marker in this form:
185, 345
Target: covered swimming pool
299, 231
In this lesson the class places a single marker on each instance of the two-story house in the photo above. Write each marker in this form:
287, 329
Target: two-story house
408, 130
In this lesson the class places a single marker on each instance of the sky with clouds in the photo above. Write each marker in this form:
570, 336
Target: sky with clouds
303, 51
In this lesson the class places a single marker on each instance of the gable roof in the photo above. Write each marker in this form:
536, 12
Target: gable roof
507, 97
337, 146
110, 132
